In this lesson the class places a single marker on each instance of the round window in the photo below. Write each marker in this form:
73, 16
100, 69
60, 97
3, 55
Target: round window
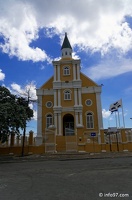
88, 102
49, 104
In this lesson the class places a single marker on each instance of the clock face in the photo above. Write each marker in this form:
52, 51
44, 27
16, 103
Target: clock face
49, 104
88, 102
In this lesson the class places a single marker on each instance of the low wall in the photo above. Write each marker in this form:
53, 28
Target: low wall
61, 147
18, 150
78, 143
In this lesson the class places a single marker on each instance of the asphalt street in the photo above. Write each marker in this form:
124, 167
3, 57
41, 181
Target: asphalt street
108, 178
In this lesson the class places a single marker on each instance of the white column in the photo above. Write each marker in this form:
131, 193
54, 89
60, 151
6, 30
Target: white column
38, 139
59, 98
76, 116
74, 72
39, 116
75, 96
99, 110
59, 120
78, 72
58, 72
79, 96
55, 73
80, 115
55, 98
55, 123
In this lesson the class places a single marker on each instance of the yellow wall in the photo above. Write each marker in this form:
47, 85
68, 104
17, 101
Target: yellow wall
86, 82
92, 108
67, 103
46, 110
66, 77
48, 84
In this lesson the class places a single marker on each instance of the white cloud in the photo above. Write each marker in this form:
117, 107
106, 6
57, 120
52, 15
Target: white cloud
106, 113
19, 28
75, 56
28, 91
34, 114
94, 25
34, 111
2, 75
109, 68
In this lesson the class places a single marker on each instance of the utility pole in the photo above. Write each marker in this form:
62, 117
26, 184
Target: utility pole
24, 130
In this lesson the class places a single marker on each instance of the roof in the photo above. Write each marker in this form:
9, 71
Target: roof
66, 43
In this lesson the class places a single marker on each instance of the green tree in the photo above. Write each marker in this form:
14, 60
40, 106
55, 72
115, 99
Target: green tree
14, 112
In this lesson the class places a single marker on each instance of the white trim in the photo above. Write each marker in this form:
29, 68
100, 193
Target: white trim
55, 98
76, 117
58, 73
59, 98
73, 61
67, 109
75, 96
91, 89
78, 72
99, 110
74, 72
59, 120
39, 117
55, 122
80, 115
45, 92
79, 96
70, 84
55, 78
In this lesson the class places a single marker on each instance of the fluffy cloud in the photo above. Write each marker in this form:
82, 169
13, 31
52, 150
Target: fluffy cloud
2, 75
92, 25
19, 28
109, 68
106, 113
28, 91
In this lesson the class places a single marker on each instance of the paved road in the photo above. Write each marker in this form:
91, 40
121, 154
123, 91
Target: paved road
66, 180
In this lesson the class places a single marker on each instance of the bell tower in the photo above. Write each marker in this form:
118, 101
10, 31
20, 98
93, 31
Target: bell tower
66, 49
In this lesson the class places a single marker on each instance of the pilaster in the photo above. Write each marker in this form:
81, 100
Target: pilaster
99, 110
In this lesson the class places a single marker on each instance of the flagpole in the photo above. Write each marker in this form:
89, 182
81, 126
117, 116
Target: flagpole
118, 118
123, 115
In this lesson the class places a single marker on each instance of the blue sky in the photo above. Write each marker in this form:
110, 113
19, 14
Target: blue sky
100, 32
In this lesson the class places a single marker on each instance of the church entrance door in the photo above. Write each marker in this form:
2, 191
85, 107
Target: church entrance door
68, 125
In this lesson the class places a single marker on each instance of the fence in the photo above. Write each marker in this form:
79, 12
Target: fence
81, 142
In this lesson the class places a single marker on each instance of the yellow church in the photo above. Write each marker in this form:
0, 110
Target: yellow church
69, 103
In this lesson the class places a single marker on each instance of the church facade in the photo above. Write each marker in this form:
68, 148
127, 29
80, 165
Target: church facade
69, 102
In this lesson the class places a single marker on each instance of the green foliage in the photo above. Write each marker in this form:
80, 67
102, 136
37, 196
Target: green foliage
14, 112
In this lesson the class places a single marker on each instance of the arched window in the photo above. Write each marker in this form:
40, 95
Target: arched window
49, 120
90, 120
67, 95
66, 71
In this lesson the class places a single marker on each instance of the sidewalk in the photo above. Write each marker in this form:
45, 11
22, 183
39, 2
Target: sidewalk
63, 156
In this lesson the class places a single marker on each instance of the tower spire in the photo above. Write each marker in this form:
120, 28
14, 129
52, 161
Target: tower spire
66, 48
66, 43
